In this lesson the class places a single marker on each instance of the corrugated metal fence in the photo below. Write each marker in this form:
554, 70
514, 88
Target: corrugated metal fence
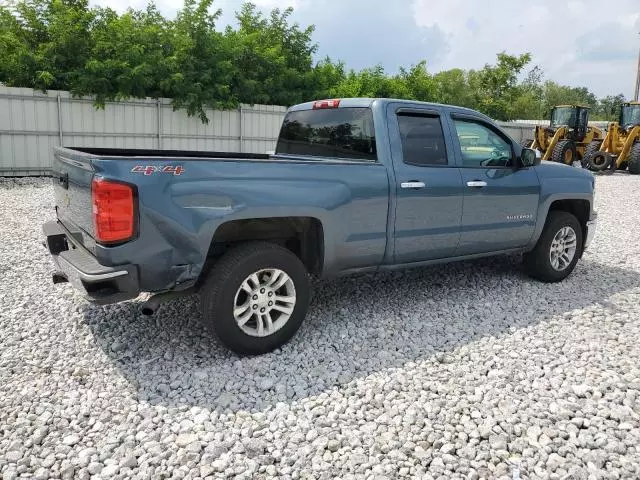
32, 123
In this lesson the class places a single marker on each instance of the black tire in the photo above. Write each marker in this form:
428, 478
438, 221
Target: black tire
589, 150
564, 152
599, 161
218, 294
634, 159
537, 263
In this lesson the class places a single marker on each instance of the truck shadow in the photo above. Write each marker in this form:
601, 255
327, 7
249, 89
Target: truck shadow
356, 326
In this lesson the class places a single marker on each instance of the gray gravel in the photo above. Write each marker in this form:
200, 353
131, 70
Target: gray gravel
464, 371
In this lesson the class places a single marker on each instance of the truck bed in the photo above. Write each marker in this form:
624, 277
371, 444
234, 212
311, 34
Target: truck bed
182, 197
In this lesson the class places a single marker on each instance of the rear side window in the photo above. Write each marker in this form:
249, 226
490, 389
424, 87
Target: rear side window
422, 140
330, 132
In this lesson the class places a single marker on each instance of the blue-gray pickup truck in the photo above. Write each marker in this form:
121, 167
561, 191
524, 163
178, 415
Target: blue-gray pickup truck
354, 185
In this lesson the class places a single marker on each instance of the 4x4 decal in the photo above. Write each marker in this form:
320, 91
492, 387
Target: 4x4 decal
151, 169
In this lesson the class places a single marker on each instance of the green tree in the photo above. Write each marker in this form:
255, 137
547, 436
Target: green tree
202, 66
44, 43
555, 94
416, 83
368, 82
528, 100
609, 107
452, 87
496, 86
131, 56
325, 77
272, 60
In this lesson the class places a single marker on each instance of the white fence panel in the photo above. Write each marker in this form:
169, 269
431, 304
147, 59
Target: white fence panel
32, 123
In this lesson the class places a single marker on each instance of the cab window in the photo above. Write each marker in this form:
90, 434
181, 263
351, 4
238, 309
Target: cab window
481, 146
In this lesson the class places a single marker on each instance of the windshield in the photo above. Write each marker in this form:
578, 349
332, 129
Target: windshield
630, 115
563, 116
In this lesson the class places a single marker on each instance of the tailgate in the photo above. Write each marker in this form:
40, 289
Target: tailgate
72, 174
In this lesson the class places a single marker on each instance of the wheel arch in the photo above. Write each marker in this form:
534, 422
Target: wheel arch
579, 207
304, 236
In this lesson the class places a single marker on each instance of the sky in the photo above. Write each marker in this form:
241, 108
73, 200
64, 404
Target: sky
576, 42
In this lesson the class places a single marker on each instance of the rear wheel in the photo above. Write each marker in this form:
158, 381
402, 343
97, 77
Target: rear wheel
256, 297
564, 152
558, 249
589, 150
634, 159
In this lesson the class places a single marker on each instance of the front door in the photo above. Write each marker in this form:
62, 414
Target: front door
428, 187
500, 201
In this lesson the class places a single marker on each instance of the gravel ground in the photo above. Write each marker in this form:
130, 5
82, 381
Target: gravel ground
465, 371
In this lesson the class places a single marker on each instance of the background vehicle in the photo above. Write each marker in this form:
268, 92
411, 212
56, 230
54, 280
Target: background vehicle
621, 146
355, 185
567, 136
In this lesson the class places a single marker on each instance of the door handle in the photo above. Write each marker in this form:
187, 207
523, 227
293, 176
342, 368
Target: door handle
412, 184
476, 184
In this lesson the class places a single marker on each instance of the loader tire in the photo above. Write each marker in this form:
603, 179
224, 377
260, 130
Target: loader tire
590, 149
599, 161
634, 159
564, 152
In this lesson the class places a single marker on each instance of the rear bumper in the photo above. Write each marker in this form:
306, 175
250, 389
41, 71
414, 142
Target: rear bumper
592, 225
98, 283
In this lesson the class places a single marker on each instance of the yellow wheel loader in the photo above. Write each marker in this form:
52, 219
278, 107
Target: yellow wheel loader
621, 146
567, 135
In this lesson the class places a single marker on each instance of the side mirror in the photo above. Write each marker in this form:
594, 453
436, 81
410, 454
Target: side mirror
528, 158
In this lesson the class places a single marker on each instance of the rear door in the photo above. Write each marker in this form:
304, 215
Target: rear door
428, 186
500, 201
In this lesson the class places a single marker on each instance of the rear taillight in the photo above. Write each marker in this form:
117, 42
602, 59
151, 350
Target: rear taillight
335, 103
113, 211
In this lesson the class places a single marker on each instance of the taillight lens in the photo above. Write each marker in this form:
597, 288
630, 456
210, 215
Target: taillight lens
113, 210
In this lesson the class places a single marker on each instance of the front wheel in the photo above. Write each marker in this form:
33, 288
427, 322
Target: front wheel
256, 297
564, 152
558, 249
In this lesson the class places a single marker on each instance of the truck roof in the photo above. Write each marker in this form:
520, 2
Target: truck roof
366, 102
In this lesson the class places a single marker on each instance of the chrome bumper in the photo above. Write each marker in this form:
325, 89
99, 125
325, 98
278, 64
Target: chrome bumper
592, 225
